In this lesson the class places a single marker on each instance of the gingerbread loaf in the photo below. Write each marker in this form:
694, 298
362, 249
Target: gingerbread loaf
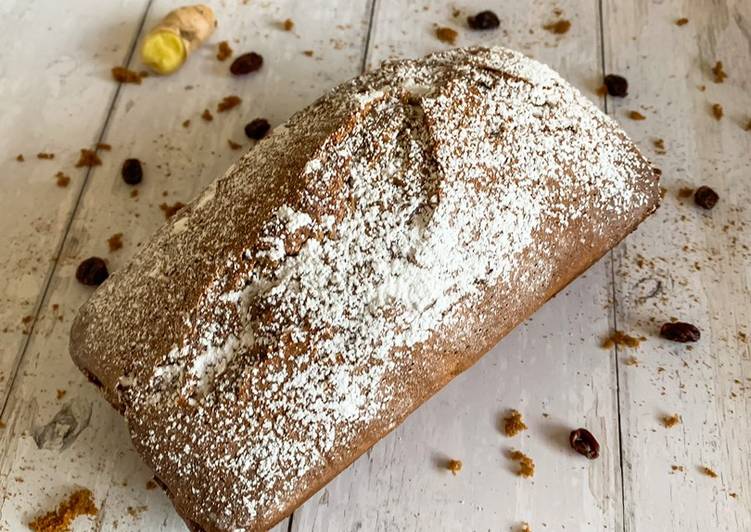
348, 267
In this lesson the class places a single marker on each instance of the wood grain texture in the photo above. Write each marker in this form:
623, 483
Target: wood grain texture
687, 263
146, 123
56, 91
552, 365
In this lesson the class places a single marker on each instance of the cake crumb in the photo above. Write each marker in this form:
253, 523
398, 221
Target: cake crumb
103, 146
636, 115
288, 24
135, 511
45, 156
681, 21
708, 471
115, 242
170, 210
62, 180
186, 123
61, 393
454, 466
234, 145
88, 158
309, 53
20, 158
124, 75
446, 35
622, 339
224, 51
717, 111
525, 528
526, 464
59, 520
677, 468
134, 193
685, 192
671, 421
747, 128
227, 103
719, 72
207, 116
558, 27
632, 361
150, 485
659, 145
513, 423
2, 424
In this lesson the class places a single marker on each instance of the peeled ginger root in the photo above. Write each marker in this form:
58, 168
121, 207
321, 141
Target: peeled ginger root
182, 31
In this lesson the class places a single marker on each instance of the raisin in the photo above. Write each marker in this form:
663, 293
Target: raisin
680, 331
256, 129
705, 197
484, 20
246, 63
616, 85
583, 442
92, 272
132, 172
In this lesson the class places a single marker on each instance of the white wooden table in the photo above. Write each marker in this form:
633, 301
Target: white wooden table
57, 96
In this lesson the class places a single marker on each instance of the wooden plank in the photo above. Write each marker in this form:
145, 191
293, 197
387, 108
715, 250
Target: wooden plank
551, 368
687, 263
56, 91
178, 162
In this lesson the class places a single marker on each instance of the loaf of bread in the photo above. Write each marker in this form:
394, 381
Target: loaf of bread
348, 267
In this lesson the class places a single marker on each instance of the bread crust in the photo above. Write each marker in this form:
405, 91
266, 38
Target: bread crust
347, 268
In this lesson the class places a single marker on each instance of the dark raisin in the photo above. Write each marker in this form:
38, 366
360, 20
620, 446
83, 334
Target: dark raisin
616, 85
484, 20
246, 63
583, 442
680, 331
132, 171
705, 197
92, 271
256, 129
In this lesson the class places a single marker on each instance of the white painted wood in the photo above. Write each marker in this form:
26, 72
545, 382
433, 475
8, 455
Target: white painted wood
146, 123
707, 283
551, 365
55, 89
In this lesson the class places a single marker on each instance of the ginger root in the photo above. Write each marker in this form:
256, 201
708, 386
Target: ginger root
166, 47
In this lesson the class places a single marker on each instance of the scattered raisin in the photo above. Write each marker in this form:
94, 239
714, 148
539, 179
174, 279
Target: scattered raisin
246, 63
257, 128
616, 85
583, 442
484, 20
92, 271
705, 197
680, 331
132, 172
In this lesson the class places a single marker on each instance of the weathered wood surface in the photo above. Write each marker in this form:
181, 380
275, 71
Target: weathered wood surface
551, 368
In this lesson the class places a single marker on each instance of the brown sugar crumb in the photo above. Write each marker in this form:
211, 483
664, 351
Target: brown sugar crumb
150, 485
186, 123
47, 156
234, 145
61, 394
525, 528
747, 128
685, 192
62, 180
733, 494
224, 51
170, 210
631, 361
636, 115
602, 90
622, 339
88, 158
124, 75
20, 158
135, 511
227, 103
681, 21
59, 520
719, 72
677, 468
454, 466
659, 145
526, 464
103, 146
717, 111
288, 24
134, 193
115, 242
709, 472
558, 27
309, 53
513, 424
207, 116
446, 35
671, 421
2, 425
